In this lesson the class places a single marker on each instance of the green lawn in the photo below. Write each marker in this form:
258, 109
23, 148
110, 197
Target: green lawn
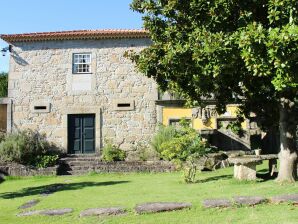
127, 190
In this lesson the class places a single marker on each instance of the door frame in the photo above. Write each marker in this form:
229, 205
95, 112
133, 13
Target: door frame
82, 110
82, 139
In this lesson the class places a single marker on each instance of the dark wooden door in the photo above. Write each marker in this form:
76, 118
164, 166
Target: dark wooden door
81, 133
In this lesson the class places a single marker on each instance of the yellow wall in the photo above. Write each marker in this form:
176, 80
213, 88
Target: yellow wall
176, 113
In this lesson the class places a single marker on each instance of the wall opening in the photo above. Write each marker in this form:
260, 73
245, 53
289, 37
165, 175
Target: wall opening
3, 117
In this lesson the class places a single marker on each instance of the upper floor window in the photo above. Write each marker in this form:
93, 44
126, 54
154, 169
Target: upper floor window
82, 63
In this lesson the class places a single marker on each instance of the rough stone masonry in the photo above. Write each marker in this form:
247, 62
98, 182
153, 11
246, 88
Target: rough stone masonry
41, 75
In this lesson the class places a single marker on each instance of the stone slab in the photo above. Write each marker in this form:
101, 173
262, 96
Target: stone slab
29, 204
51, 212
249, 200
217, 203
102, 211
245, 172
285, 198
160, 207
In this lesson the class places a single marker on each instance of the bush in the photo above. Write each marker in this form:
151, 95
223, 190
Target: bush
112, 152
28, 148
184, 146
43, 161
184, 143
145, 152
164, 134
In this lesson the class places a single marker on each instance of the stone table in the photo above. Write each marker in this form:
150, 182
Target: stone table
245, 166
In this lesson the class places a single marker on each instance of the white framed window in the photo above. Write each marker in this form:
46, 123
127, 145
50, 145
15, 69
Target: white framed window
81, 63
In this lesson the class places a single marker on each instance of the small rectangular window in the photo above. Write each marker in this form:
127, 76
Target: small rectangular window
124, 104
82, 63
40, 107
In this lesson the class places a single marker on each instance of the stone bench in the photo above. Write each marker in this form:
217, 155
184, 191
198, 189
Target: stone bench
245, 166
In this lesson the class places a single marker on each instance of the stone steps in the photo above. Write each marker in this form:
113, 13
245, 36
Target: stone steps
78, 165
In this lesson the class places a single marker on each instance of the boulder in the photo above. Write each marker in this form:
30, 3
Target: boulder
160, 207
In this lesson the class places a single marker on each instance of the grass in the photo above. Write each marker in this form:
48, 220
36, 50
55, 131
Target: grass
127, 190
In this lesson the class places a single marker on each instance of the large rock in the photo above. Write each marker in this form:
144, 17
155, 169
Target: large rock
249, 200
51, 212
160, 207
285, 198
216, 203
29, 204
102, 211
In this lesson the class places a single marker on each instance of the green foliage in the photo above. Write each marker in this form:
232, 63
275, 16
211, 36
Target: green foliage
144, 153
236, 128
225, 50
27, 147
3, 84
190, 170
183, 146
184, 143
164, 134
43, 161
111, 152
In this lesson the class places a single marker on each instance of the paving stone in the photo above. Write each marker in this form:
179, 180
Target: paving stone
29, 204
285, 198
249, 200
29, 213
56, 211
51, 212
160, 207
217, 203
102, 211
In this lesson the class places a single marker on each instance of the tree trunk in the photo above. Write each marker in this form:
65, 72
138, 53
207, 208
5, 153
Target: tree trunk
288, 151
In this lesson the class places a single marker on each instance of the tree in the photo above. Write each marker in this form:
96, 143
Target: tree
3, 84
231, 51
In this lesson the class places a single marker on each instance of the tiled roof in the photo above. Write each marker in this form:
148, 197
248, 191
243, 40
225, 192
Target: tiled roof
75, 35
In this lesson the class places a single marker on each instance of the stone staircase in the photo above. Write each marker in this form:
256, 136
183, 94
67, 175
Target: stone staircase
78, 164
84, 164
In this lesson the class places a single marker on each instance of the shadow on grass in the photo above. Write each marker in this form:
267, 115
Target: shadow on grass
215, 178
267, 176
45, 190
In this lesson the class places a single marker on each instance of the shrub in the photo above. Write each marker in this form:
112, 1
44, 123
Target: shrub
183, 146
26, 147
43, 161
164, 134
112, 152
186, 142
145, 152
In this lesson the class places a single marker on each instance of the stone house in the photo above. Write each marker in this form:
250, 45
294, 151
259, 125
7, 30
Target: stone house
79, 89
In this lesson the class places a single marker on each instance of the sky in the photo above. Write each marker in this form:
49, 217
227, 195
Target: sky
27, 16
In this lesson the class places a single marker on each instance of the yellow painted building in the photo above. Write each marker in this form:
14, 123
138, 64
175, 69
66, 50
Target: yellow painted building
174, 114
208, 123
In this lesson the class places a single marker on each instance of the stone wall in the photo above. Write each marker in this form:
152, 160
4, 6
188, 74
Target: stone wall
41, 73
100, 167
